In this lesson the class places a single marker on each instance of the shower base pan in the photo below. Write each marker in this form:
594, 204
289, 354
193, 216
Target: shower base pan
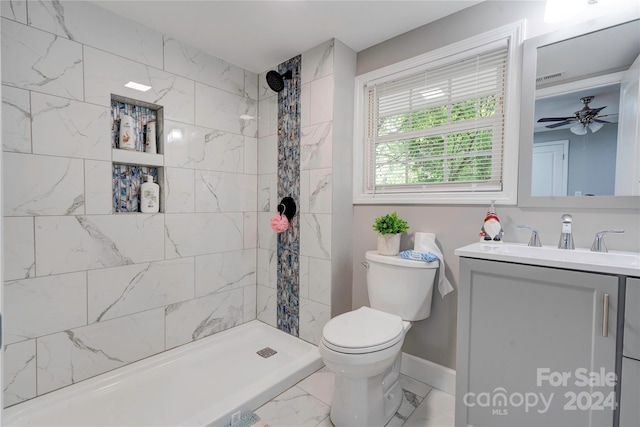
198, 384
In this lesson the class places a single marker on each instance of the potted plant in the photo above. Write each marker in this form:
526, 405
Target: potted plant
389, 228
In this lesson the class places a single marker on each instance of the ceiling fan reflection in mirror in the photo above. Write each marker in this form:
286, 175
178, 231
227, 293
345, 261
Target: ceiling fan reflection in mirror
582, 119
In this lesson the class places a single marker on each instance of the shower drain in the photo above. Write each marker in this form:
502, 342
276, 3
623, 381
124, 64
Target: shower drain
266, 352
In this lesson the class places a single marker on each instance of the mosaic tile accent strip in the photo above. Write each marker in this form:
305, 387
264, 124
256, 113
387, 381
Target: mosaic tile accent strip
289, 185
141, 115
125, 185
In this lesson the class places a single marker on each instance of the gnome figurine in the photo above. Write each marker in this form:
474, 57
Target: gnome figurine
491, 229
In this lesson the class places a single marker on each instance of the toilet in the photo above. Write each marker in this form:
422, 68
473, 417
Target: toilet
363, 346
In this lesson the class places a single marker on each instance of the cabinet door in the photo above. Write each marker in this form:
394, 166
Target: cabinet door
531, 348
632, 320
630, 394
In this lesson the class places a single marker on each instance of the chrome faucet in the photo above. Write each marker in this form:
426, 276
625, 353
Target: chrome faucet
598, 242
535, 239
566, 237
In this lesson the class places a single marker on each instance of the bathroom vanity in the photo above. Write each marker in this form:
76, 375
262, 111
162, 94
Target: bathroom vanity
540, 337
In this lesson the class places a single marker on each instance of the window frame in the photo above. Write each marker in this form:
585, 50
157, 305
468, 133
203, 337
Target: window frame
462, 49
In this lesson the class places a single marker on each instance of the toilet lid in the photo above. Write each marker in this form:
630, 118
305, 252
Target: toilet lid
362, 331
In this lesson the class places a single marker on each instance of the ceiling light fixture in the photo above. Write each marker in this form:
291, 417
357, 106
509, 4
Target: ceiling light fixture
579, 129
137, 86
595, 127
174, 135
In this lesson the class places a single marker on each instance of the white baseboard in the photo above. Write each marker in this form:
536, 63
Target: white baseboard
430, 373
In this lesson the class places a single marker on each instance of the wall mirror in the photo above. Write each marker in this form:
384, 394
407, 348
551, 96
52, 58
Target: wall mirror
580, 118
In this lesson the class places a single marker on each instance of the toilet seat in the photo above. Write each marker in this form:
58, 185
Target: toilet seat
364, 330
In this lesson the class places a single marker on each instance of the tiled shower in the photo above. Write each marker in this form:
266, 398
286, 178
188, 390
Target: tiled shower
87, 290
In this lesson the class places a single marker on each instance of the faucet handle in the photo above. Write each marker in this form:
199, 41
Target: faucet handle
535, 239
598, 241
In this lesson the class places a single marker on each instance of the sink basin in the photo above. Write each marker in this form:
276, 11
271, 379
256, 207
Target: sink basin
613, 262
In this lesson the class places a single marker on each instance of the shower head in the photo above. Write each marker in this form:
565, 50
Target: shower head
276, 80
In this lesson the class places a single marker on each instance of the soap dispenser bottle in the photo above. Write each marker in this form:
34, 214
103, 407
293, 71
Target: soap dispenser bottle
149, 196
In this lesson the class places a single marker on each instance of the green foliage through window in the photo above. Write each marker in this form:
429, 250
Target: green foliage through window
453, 157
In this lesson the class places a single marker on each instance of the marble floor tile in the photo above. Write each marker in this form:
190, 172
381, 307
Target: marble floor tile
410, 402
295, 408
326, 423
416, 387
304, 404
436, 410
320, 385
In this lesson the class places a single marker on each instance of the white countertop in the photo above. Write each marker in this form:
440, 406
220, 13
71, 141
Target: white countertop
582, 259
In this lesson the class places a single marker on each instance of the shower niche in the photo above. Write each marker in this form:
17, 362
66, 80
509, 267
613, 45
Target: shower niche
138, 153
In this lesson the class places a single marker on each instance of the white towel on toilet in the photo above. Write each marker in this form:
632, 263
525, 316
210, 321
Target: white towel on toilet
426, 242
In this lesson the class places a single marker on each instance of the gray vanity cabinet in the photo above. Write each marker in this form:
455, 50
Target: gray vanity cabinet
531, 349
630, 393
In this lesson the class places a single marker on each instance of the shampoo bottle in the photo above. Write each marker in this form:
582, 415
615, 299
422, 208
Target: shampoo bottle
150, 142
149, 196
127, 133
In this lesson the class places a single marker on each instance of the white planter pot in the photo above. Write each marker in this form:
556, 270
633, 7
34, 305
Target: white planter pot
389, 244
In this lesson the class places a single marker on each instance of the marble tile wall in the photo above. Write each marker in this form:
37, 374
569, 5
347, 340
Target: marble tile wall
87, 290
316, 191
288, 252
315, 197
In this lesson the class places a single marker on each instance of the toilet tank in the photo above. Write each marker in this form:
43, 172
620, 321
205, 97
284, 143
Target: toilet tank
400, 286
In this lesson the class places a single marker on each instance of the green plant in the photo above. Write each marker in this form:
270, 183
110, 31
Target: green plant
390, 224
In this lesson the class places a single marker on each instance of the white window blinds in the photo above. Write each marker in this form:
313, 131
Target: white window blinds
440, 129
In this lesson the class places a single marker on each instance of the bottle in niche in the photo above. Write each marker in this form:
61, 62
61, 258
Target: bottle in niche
127, 133
150, 141
149, 196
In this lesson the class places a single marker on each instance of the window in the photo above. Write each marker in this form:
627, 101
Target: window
441, 128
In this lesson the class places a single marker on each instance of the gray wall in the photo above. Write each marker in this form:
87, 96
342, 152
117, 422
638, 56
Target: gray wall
434, 339
592, 159
459, 26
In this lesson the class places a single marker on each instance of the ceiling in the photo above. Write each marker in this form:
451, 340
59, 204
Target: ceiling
257, 35
578, 62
